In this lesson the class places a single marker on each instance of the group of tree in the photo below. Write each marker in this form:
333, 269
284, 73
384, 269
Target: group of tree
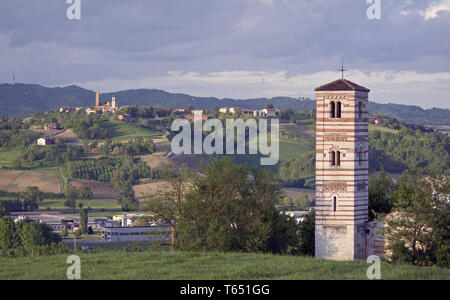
409, 148
27, 200
291, 173
10, 139
85, 126
147, 112
104, 169
48, 155
225, 210
28, 237
72, 193
416, 214
14, 124
300, 203
137, 146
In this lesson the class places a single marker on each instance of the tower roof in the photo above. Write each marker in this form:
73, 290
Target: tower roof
341, 85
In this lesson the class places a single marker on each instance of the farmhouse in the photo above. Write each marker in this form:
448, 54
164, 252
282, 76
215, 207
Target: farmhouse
249, 112
69, 109
44, 141
124, 117
376, 120
197, 111
270, 112
50, 126
234, 110
179, 110
192, 116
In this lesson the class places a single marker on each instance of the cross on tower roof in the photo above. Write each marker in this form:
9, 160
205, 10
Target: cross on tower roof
342, 70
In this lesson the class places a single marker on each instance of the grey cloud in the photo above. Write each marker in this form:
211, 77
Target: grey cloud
135, 38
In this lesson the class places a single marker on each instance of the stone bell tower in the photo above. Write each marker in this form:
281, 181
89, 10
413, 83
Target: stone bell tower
342, 170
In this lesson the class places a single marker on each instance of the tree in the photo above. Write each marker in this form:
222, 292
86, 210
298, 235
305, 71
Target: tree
122, 180
142, 221
8, 235
71, 195
31, 198
226, 211
380, 194
306, 231
165, 207
84, 221
302, 202
33, 234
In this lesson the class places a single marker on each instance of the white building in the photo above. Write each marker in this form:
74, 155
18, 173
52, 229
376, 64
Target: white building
136, 234
43, 141
267, 112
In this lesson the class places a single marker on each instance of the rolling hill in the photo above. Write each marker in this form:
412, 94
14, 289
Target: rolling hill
25, 99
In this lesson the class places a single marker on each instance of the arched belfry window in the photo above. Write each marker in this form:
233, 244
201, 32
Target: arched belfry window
335, 158
332, 158
332, 109
338, 110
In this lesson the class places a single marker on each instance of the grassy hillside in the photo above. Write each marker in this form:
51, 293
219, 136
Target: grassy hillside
411, 114
206, 266
123, 130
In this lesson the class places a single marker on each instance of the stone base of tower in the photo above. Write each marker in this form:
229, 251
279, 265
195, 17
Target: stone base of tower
340, 242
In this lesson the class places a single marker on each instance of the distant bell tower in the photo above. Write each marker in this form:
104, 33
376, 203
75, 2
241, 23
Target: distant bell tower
342, 170
113, 102
97, 98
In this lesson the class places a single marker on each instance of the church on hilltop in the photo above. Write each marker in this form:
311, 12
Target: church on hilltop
111, 107
342, 173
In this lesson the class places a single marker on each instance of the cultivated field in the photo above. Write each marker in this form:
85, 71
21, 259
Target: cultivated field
205, 266
155, 159
70, 138
18, 181
295, 193
99, 189
150, 188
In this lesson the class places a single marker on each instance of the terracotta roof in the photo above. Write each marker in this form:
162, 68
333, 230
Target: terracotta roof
341, 85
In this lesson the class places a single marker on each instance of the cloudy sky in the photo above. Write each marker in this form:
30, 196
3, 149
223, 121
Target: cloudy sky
232, 48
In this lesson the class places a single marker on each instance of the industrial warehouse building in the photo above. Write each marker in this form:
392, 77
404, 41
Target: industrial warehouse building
136, 234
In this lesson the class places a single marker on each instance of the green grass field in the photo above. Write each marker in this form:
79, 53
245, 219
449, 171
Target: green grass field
374, 127
290, 150
7, 157
126, 130
204, 266
99, 207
